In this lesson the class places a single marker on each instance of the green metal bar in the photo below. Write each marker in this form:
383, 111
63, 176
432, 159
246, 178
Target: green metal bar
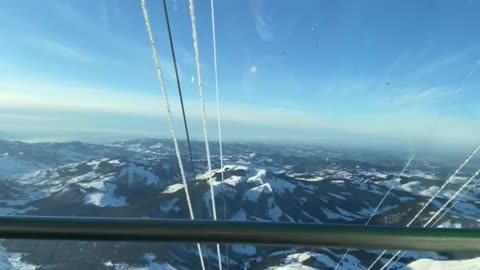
339, 236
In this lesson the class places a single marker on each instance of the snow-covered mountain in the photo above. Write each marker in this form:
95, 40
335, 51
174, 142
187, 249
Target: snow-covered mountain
264, 183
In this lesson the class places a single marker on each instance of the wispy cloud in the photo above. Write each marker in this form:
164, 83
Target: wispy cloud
97, 24
174, 5
104, 14
14, 117
58, 96
91, 100
431, 94
472, 71
341, 88
17, 41
74, 17
56, 48
400, 60
106, 49
263, 28
437, 65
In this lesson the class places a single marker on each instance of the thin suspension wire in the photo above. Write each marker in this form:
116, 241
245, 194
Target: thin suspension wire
202, 101
170, 117
395, 256
472, 70
430, 200
216, 86
177, 78
453, 204
377, 259
179, 88
398, 259
379, 204
436, 214
204, 115
219, 123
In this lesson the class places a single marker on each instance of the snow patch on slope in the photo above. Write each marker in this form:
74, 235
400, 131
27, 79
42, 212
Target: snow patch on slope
292, 266
297, 260
106, 197
449, 224
15, 260
173, 188
429, 264
254, 193
136, 173
274, 212
332, 215
4, 260
233, 180
151, 265
280, 186
422, 174
257, 178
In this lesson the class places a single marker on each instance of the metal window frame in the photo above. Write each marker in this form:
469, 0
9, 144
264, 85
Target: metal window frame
264, 233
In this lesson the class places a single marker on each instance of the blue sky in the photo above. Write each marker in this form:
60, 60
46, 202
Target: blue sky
341, 72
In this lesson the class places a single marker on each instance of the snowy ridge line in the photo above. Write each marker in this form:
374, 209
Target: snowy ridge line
430, 200
170, 117
191, 8
379, 204
435, 215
